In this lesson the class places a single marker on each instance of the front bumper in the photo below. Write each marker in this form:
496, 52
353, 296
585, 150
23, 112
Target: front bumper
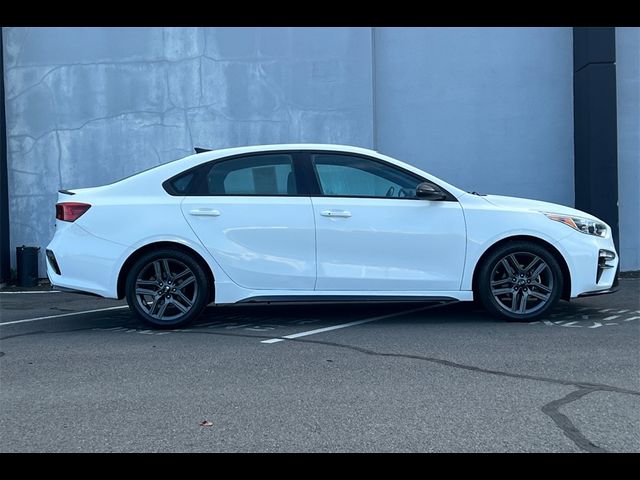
599, 292
614, 287
582, 254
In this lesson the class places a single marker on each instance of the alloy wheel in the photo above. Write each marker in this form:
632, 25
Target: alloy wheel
166, 289
521, 283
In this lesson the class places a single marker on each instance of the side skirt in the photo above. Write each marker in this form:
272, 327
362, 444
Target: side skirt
345, 299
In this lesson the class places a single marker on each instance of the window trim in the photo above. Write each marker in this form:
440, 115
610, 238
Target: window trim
316, 181
197, 187
305, 173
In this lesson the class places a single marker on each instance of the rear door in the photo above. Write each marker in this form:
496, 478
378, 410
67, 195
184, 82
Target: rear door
250, 212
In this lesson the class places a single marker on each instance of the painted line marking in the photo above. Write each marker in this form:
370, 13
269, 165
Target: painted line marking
305, 322
64, 315
203, 325
39, 291
231, 327
571, 324
605, 310
622, 311
612, 317
595, 325
632, 318
344, 325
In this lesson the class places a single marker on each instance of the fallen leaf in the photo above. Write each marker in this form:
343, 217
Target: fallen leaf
206, 423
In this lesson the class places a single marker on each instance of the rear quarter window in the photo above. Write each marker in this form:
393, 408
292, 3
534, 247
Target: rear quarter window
180, 185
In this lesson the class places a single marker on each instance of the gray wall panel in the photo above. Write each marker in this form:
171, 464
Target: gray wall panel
628, 88
86, 106
488, 109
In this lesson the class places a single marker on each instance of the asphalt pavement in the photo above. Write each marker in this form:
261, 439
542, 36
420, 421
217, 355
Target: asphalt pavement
410, 377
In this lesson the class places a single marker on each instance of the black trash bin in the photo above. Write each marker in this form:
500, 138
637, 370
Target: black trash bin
27, 266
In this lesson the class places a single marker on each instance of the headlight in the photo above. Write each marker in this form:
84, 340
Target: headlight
584, 225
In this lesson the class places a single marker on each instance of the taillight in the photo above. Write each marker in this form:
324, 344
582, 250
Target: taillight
71, 211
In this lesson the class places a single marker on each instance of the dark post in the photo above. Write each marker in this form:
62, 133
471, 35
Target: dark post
595, 123
5, 270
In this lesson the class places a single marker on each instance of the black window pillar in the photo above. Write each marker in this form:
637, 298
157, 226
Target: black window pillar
5, 270
595, 123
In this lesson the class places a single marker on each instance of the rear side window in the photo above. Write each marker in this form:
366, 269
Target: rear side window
252, 175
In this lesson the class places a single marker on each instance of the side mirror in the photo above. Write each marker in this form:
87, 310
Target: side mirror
429, 191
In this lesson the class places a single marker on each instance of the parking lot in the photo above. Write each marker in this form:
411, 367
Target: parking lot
409, 377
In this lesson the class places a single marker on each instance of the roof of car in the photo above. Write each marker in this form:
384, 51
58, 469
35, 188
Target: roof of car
284, 146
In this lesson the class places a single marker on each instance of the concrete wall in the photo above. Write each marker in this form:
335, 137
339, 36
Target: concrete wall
487, 109
628, 89
86, 106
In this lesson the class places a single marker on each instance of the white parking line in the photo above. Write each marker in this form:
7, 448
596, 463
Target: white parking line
632, 318
38, 291
612, 317
345, 325
63, 315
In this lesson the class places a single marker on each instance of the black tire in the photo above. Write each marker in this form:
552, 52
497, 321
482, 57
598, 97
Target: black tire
184, 287
495, 279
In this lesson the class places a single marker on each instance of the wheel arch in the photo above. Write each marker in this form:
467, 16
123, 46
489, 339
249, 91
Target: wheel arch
131, 259
566, 273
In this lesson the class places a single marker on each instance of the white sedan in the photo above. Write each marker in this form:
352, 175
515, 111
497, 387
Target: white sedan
315, 222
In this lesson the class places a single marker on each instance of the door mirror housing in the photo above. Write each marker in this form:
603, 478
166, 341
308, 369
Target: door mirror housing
428, 191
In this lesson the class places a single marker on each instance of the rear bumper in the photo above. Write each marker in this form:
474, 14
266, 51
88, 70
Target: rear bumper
85, 263
73, 290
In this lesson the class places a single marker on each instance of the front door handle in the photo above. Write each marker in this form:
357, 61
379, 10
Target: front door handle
335, 213
205, 212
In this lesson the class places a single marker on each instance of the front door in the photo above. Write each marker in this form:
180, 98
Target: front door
373, 234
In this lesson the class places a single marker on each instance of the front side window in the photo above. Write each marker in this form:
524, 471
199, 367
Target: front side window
351, 176
271, 174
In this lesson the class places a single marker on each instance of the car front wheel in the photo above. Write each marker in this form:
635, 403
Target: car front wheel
520, 281
166, 288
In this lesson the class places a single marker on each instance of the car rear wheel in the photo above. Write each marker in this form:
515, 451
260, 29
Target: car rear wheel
520, 281
166, 288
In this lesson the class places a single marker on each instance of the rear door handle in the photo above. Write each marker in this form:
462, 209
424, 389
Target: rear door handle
205, 212
335, 213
